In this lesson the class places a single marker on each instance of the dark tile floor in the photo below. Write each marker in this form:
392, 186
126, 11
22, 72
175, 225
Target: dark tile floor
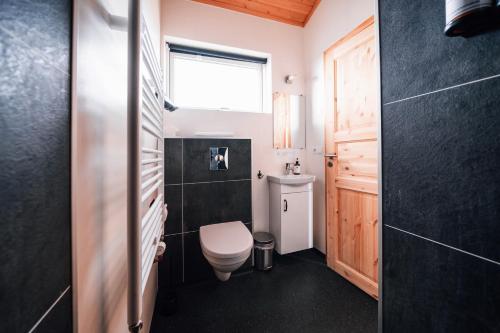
300, 294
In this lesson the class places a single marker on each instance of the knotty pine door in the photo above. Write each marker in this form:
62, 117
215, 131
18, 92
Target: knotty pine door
351, 158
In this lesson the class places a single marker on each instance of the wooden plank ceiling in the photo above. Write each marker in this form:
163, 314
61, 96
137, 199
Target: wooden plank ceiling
295, 12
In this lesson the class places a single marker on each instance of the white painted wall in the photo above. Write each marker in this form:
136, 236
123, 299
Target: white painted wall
294, 50
331, 21
195, 21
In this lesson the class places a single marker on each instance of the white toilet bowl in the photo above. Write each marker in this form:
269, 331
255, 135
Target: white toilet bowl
226, 246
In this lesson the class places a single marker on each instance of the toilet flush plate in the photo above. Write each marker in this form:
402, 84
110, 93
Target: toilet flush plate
219, 158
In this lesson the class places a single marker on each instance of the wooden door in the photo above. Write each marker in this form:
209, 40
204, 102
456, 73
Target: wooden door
351, 158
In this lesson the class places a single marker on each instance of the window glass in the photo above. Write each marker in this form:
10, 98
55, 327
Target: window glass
200, 82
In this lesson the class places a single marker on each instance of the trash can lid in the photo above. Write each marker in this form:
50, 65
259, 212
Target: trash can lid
263, 238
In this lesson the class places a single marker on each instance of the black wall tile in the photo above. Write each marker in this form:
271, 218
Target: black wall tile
173, 161
441, 160
58, 320
209, 203
170, 268
207, 197
440, 172
432, 288
173, 199
196, 267
416, 56
197, 160
43, 25
35, 261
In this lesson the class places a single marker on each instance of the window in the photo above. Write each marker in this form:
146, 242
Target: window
212, 80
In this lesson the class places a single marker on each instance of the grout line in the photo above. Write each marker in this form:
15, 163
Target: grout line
174, 234
182, 206
33, 52
49, 309
445, 245
444, 89
219, 181
173, 184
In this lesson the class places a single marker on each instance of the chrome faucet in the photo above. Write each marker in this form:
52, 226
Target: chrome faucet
288, 169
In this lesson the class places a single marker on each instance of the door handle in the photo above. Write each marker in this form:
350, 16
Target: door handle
286, 205
330, 157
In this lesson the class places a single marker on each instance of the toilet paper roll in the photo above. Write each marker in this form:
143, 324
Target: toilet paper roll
165, 213
160, 250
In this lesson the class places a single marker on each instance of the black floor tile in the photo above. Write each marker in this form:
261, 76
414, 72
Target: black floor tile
300, 294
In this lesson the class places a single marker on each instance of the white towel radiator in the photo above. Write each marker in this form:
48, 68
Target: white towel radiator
146, 211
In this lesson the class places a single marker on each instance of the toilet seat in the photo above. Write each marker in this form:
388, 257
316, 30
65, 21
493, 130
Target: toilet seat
226, 240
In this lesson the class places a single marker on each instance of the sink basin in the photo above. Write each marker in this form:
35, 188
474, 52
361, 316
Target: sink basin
291, 179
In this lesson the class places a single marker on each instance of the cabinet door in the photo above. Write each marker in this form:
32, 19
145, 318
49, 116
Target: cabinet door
296, 222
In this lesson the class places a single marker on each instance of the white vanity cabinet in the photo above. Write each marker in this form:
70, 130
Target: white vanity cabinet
290, 212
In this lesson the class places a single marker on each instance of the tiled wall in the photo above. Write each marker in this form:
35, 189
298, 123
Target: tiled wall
196, 197
35, 256
441, 179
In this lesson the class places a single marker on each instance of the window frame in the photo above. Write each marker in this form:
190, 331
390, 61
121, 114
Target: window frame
264, 82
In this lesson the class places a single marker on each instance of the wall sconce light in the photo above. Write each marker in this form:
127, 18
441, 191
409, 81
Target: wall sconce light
289, 78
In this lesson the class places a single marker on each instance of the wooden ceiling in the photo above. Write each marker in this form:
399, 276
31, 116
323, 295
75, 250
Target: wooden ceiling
295, 12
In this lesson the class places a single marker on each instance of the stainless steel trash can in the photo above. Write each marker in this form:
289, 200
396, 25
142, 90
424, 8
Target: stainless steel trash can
263, 250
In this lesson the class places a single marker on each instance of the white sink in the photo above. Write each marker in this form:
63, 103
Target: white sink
291, 179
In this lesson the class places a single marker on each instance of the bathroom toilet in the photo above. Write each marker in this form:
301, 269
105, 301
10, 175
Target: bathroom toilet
226, 246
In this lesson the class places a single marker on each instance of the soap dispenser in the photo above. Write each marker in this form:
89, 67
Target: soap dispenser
296, 167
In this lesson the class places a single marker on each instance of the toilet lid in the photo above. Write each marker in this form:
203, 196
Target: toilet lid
226, 240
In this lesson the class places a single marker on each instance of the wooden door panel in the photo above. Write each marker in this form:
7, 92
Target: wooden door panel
357, 230
357, 159
352, 170
367, 185
356, 97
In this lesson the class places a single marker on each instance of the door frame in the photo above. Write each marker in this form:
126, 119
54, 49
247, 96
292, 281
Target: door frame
376, 26
374, 19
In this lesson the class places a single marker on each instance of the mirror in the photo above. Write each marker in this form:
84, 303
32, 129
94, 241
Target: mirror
289, 120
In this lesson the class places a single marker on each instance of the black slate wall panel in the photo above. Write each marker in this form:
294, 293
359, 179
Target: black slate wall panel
418, 58
196, 197
173, 161
35, 261
440, 162
442, 167
197, 158
210, 203
432, 288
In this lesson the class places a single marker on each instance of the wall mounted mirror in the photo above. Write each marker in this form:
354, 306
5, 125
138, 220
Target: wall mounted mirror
289, 120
